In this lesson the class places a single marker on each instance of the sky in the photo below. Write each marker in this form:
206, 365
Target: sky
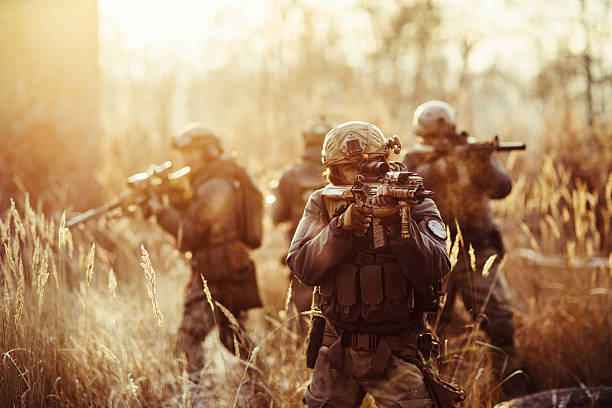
191, 28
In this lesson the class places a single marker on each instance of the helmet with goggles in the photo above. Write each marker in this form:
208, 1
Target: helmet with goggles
351, 141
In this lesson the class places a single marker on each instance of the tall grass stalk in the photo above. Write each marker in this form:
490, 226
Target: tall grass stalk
126, 361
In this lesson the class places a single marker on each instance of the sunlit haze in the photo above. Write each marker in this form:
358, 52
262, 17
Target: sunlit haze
188, 29
176, 176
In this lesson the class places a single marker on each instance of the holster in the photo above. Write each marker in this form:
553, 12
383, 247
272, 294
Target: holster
443, 394
315, 338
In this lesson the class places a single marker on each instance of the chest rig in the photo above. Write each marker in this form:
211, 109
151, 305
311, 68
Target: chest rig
367, 289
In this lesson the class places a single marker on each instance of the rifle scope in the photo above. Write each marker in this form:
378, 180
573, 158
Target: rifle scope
373, 168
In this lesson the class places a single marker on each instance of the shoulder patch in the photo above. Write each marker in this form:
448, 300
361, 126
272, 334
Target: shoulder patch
437, 228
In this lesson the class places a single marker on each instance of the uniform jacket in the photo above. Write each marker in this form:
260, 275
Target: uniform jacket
208, 226
463, 187
322, 252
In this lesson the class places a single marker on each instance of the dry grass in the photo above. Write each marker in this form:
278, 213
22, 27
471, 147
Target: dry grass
91, 341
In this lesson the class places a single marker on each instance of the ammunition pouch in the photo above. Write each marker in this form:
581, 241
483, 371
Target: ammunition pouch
315, 339
229, 269
372, 288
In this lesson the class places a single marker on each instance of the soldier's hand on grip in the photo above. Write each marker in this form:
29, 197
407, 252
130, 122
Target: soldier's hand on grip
356, 219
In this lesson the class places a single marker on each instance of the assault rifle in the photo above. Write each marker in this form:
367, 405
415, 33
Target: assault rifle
380, 179
430, 153
157, 180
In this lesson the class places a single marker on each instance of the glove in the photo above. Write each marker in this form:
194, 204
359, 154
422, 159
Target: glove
356, 219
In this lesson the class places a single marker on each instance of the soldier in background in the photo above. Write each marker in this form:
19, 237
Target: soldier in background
216, 224
464, 184
373, 298
294, 188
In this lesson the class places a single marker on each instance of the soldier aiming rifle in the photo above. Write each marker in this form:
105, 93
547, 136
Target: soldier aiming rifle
378, 180
214, 210
465, 177
462, 145
374, 278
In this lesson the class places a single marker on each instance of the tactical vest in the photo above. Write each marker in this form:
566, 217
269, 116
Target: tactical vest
368, 292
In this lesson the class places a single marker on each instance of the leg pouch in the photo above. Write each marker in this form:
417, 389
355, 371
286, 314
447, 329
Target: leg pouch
347, 309
399, 294
371, 286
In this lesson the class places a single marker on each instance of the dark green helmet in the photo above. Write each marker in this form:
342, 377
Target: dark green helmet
315, 135
197, 136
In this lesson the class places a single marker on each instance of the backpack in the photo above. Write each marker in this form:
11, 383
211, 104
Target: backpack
250, 218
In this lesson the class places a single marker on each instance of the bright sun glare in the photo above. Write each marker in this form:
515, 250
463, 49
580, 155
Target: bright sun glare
150, 24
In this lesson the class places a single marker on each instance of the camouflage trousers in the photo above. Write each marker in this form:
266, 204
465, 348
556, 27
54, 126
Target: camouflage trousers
199, 320
488, 298
401, 384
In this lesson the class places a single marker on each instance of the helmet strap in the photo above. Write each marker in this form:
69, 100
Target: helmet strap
334, 175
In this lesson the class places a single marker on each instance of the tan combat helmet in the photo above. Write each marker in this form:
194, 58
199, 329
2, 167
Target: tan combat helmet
351, 140
197, 136
433, 118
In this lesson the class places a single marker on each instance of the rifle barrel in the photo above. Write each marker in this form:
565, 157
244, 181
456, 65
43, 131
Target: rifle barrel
508, 146
94, 212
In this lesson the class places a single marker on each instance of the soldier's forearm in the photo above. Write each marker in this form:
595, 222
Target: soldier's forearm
493, 179
311, 259
171, 220
423, 258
